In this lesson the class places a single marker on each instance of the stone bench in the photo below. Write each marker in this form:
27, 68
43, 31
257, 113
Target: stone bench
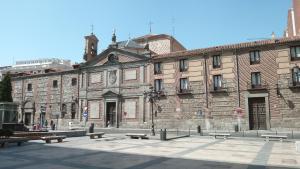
92, 135
18, 140
49, 138
268, 136
297, 143
224, 135
137, 136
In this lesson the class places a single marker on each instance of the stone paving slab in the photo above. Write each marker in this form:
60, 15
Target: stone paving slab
119, 152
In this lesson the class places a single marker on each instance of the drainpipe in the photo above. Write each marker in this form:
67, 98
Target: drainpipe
206, 79
238, 78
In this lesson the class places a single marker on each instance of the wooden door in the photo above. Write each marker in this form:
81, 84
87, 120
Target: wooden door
257, 114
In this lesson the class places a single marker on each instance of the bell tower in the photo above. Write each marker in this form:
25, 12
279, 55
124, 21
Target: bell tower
91, 43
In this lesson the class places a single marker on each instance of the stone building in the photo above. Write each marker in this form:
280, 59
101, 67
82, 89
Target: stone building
254, 84
108, 85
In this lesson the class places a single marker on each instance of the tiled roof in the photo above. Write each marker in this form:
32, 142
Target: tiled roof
227, 47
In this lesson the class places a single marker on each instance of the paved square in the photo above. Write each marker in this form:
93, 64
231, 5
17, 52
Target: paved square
118, 152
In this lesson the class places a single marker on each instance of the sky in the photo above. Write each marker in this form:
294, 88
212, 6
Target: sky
35, 29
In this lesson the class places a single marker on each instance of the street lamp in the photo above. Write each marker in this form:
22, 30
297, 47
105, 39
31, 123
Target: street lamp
152, 96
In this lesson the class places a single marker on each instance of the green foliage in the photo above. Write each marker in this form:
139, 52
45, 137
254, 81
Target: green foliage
6, 133
6, 89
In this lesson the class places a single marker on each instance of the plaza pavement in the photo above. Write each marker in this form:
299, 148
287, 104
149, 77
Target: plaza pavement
115, 151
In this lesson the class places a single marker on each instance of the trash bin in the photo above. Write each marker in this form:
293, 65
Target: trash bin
91, 129
163, 134
236, 128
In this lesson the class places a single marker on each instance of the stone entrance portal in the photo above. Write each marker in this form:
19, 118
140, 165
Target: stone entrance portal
111, 114
257, 114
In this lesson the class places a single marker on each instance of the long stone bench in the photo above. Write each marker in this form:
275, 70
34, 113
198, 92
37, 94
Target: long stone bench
92, 135
224, 135
49, 138
18, 140
268, 136
137, 136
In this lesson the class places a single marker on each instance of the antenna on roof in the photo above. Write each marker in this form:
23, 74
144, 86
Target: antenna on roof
173, 26
150, 27
92, 29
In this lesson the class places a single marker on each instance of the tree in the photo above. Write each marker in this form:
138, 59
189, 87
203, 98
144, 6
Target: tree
6, 89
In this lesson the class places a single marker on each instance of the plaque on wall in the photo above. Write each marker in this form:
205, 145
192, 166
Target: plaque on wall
112, 77
95, 78
130, 109
130, 74
94, 109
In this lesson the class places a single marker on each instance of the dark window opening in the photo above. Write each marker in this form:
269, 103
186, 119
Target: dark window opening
216, 61
157, 68
254, 57
183, 65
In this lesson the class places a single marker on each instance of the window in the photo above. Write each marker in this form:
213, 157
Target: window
255, 79
55, 84
254, 57
217, 79
74, 81
158, 84
183, 84
296, 76
216, 61
63, 110
295, 53
157, 68
29, 87
73, 110
183, 65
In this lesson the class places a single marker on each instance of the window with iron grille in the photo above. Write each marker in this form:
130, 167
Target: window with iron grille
217, 80
73, 110
158, 85
255, 79
295, 53
183, 84
29, 87
55, 83
183, 65
74, 81
254, 57
296, 76
216, 61
157, 68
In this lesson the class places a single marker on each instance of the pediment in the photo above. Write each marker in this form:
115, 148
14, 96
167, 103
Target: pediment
115, 56
110, 94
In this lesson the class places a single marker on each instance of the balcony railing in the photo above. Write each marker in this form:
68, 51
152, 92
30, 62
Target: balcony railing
262, 86
294, 84
219, 89
184, 91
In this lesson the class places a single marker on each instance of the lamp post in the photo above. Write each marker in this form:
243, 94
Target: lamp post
152, 96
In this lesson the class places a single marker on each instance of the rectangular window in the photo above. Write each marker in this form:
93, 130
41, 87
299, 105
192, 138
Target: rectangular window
55, 84
216, 61
255, 79
296, 76
217, 79
183, 65
29, 87
74, 81
157, 68
183, 84
254, 57
295, 53
158, 85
